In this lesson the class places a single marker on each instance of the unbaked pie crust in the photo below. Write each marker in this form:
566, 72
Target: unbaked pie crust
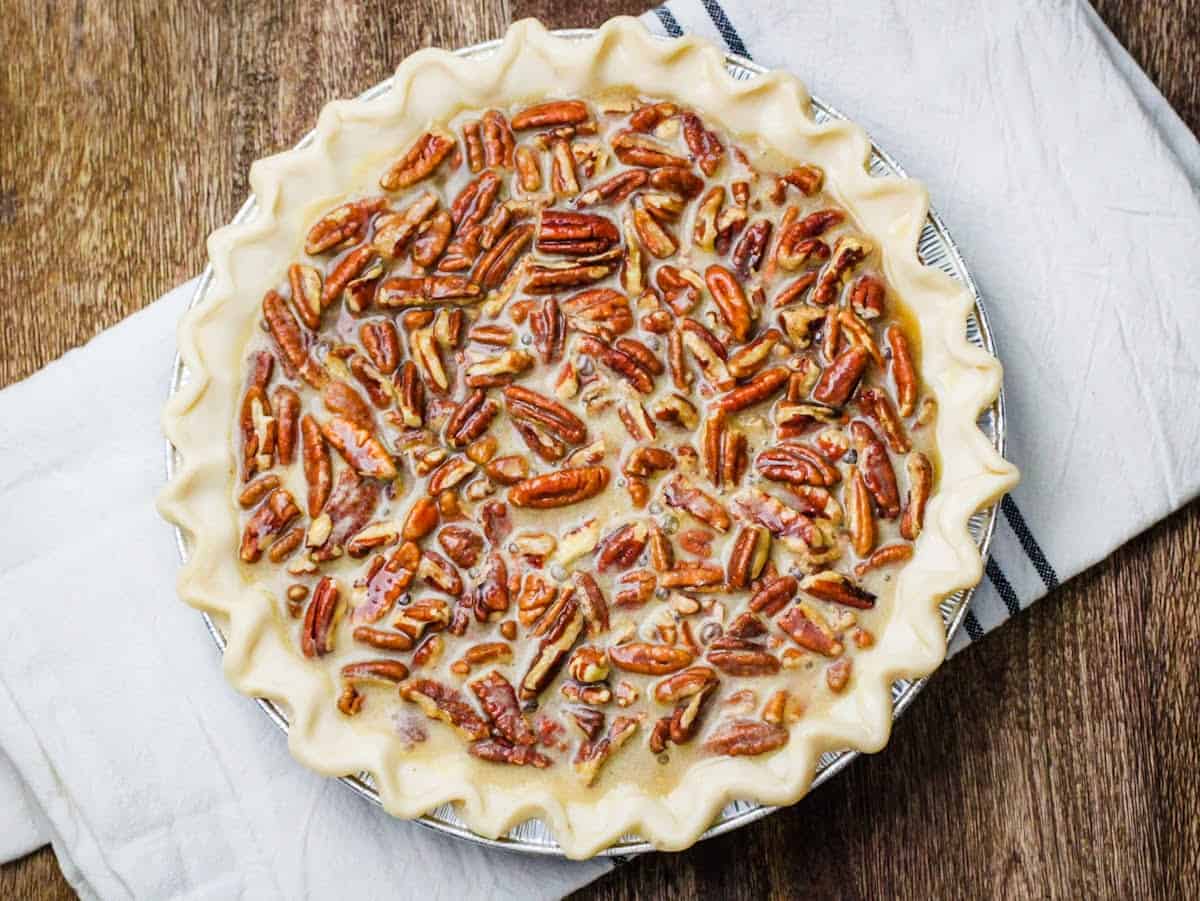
354, 142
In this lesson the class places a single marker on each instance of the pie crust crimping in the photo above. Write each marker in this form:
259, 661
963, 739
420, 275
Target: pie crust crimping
574, 433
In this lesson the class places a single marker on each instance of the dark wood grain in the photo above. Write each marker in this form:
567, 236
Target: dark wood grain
1058, 758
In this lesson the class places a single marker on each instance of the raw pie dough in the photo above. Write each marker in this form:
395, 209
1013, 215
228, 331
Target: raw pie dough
669, 797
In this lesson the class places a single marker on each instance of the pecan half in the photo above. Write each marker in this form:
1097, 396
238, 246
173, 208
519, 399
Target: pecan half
592, 603
575, 234
807, 179
324, 610
318, 469
848, 252
920, 486
290, 340
758, 389
559, 489
471, 419
614, 189
693, 575
404, 291
837, 589
797, 464
494, 266
704, 144
656, 239
738, 657
749, 555
888, 555
878, 406
731, 300
876, 469
607, 308
350, 508
746, 738
551, 114
547, 279
342, 226
748, 254
904, 372
498, 751
425, 155
862, 517
525, 405
677, 180
649, 659
307, 293
838, 382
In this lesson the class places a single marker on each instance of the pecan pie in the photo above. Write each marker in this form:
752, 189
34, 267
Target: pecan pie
581, 439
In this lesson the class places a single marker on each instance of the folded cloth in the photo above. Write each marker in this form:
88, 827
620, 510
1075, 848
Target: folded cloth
1071, 188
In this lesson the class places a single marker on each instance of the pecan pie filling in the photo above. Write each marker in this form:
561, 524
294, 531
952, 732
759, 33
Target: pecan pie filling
590, 422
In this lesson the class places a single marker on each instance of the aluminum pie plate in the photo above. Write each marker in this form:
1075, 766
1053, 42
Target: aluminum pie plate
936, 248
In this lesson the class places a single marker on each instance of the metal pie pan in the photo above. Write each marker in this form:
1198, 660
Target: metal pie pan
936, 248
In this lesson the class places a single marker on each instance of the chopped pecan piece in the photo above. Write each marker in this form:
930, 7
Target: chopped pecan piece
498, 751
681, 493
269, 520
774, 595
441, 702
634, 149
461, 544
592, 755
553, 651
499, 702
805, 625
622, 548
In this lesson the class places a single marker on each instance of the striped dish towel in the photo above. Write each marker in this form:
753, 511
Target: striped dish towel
1070, 186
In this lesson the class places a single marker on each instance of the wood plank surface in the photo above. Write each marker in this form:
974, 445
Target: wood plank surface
1058, 758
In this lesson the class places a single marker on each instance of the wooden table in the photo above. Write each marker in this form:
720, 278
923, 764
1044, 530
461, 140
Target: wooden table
1060, 757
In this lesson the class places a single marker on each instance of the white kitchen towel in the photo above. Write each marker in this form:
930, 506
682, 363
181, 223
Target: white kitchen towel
1069, 184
